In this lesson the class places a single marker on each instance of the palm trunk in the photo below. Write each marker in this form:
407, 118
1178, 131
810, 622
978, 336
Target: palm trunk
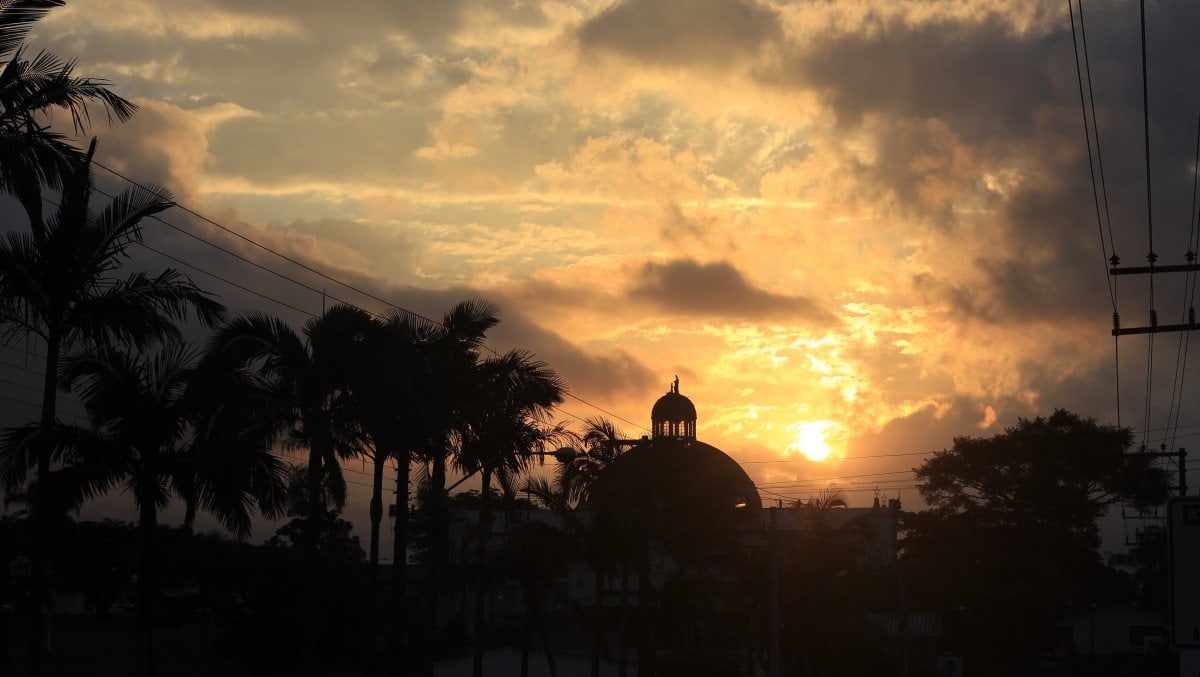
485, 527
400, 567
316, 509
623, 652
438, 548
376, 512
147, 580
40, 638
598, 620
189, 516
377, 622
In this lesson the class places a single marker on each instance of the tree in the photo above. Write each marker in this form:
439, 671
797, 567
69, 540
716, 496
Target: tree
31, 154
446, 377
341, 600
141, 416
1011, 537
576, 475
403, 380
305, 383
507, 422
58, 284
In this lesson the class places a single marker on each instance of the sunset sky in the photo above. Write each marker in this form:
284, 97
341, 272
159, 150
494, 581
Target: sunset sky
863, 223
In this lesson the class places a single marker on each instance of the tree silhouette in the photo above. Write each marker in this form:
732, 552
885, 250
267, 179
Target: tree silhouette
304, 381
32, 155
1011, 537
140, 413
450, 354
58, 283
506, 423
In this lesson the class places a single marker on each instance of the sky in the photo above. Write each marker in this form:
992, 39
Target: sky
852, 227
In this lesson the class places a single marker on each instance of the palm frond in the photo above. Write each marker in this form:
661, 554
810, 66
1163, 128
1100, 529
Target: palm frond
17, 18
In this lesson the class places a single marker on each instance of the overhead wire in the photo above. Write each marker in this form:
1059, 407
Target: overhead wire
292, 260
1151, 257
1102, 193
1175, 408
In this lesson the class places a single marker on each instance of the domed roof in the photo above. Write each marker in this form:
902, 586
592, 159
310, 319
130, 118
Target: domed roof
673, 407
684, 477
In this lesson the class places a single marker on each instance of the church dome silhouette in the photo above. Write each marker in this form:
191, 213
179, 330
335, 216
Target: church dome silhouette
673, 415
682, 478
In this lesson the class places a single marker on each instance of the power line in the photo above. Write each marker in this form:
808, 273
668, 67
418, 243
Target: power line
848, 458
267, 249
304, 266
841, 477
226, 281
1103, 192
1151, 257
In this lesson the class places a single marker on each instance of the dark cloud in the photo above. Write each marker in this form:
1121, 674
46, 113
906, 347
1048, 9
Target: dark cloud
682, 32
718, 289
1007, 291
984, 75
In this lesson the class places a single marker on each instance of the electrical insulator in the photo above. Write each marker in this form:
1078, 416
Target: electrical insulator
1114, 259
1151, 257
1153, 318
1116, 322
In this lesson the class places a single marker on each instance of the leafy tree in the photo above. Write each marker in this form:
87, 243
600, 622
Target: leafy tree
337, 608
1011, 537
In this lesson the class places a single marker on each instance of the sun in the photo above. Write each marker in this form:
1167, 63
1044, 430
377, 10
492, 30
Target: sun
810, 440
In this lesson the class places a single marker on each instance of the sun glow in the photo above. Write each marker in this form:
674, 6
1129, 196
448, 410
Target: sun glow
810, 440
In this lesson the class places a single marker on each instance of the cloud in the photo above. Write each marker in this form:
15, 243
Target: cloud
710, 33
717, 289
982, 74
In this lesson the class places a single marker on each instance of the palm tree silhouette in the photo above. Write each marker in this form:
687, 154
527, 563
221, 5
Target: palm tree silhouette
58, 283
449, 358
306, 382
141, 413
507, 423
31, 154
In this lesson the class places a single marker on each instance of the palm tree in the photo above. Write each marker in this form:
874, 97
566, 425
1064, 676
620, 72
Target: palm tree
575, 478
140, 411
143, 415
446, 375
58, 284
306, 381
508, 422
31, 154
402, 385
601, 445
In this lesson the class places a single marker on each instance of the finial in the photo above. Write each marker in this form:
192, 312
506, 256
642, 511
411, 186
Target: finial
675, 386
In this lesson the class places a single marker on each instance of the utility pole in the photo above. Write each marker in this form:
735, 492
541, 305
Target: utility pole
1155, 328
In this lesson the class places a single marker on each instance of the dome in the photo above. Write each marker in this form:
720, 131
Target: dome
677, 484
674, 415
673, 407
